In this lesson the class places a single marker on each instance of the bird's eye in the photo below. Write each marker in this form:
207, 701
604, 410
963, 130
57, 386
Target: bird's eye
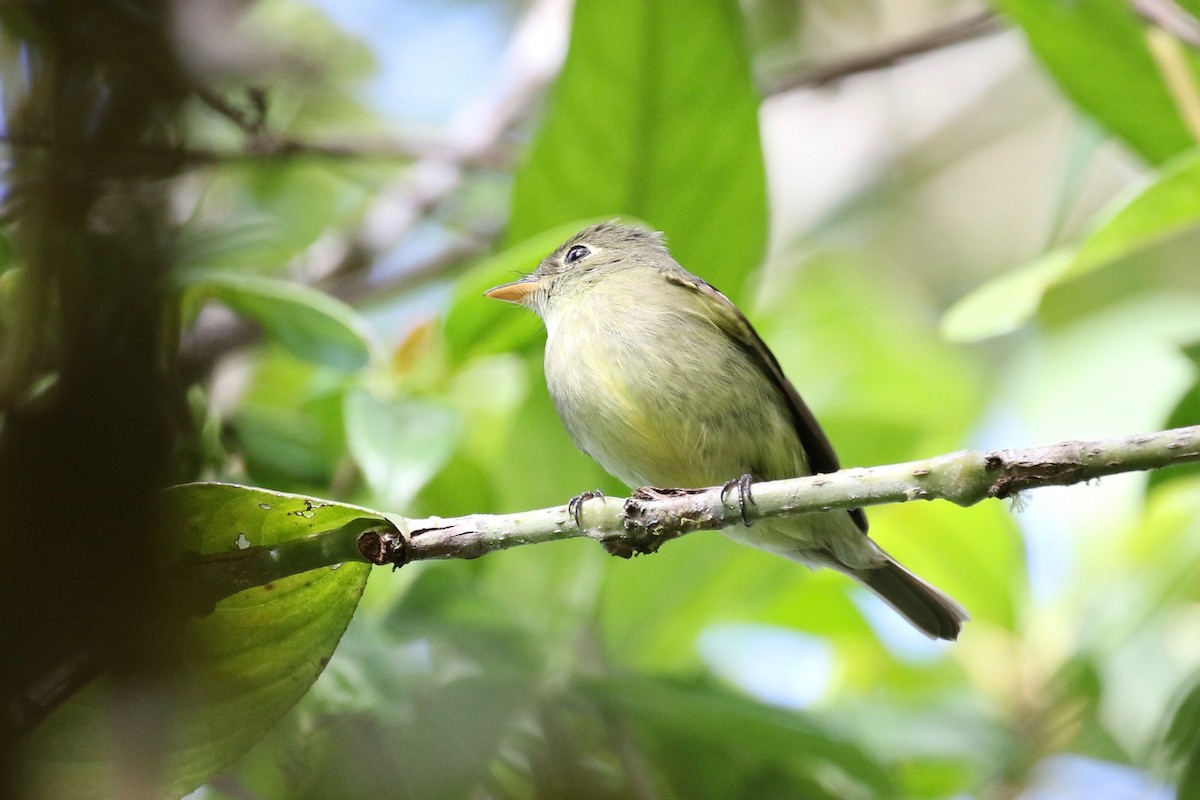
575, 253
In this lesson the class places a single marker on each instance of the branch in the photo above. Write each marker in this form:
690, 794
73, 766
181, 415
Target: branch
644, 521
490, 151
983, 23
273, 147
650, 517
476, 133
1171, 17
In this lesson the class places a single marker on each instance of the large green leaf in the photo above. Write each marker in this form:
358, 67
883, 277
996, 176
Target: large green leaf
245, 664
310, 323
655, 116
1097, 52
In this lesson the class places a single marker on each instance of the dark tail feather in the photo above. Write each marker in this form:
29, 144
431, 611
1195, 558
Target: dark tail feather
931, 611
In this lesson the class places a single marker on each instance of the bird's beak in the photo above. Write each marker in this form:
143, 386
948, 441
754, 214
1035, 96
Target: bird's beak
515, 292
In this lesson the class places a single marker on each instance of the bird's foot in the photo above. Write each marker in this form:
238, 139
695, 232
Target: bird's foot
742, 485
575, 506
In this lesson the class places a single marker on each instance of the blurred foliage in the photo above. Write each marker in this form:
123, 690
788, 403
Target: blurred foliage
1097, 52
1168, 206
708, 670
247, 662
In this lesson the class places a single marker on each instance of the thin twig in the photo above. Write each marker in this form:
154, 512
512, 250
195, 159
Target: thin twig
983, 23
250, 121
510, 105
266, 148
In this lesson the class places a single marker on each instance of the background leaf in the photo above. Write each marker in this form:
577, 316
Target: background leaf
1167, 206
723, 729
1186, 412
1097, 52
654, 116
1182, 740
399, 444
312, 324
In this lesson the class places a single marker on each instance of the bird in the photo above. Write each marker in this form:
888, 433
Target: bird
660, 378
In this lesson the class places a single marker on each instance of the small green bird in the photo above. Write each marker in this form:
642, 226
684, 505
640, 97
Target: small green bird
662, 380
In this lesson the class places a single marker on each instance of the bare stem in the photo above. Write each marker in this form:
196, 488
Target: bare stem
980, 24
643, 522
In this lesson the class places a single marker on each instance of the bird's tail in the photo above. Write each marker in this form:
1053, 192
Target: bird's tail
930, 610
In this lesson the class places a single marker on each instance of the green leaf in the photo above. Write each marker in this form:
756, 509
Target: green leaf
1097, 52
271, 212
399, 444
289, 426
985, 571
1006, 302
1167, 206
1182, 740
310, 323
244, 665
654, 116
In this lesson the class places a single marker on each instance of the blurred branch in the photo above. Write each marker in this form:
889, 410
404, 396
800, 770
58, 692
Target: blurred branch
650, 517
532, 60
1171, 17
980, 24
1176, 70
1171, 25
485, 121
265, 147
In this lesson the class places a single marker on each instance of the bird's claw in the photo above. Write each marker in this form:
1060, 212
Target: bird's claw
575, 506
742, 485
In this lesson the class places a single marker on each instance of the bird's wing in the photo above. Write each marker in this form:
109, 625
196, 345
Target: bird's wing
821, 457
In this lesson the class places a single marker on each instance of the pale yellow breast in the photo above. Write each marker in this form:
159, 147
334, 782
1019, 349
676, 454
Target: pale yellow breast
659, 396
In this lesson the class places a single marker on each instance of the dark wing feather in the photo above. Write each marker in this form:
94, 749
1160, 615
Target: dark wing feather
821, 457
